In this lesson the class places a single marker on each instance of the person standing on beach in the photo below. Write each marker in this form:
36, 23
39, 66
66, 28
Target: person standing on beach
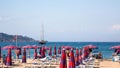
4, 59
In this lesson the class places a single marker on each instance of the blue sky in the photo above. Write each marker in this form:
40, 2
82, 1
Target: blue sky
64, 20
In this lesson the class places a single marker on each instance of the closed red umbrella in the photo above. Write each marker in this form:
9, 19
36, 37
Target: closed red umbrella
9, 59
77, 57
80, 56
24, 56
43, 52
55, 50
63, 62
85, 52
71, 60
50, 51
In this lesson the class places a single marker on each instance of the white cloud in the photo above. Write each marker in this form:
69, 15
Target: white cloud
3, 18
116, 27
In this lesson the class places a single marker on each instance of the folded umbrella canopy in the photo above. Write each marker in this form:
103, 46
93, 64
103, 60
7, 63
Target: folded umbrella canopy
72, 60
115, 47
63, 62
43, 52
9, 59
85, 53
91, 46
50, 51
24, 56
67, 47
77, 57
80, 56
55, 50
28, 47
9, 47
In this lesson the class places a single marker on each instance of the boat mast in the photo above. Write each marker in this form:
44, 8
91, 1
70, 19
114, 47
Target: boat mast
42, 32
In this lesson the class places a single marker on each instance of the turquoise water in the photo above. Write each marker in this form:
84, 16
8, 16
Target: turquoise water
102, 46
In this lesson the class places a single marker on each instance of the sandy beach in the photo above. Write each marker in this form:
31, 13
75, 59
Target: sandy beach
30, 64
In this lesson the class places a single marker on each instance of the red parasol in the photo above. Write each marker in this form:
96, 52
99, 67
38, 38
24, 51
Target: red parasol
54, 50
24, 56
43, 52
80, 56
35, 54
115, 47
63, 62
27, 47
67, 47
77, 57
85, 52
72, 60
35, 47
9, 59
91, 46
50, 51
9, 47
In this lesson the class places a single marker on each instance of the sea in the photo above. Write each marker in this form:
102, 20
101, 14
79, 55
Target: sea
103, 47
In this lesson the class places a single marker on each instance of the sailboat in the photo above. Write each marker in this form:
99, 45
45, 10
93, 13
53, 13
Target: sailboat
42, 41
